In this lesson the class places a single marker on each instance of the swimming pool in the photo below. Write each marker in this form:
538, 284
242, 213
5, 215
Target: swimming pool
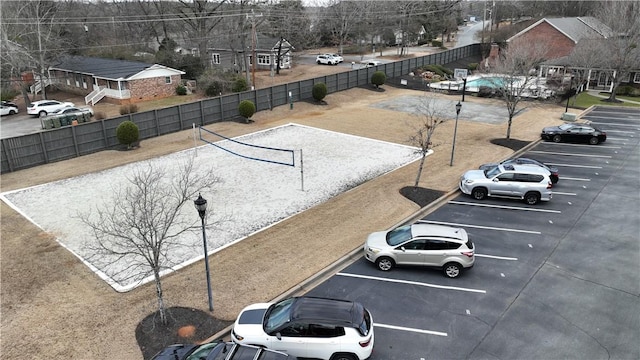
486, 81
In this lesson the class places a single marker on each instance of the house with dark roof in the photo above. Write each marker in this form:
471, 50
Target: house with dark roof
562, 34
115, 81
229, 55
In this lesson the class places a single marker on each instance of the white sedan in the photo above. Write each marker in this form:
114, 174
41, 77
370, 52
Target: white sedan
45, 107
72, 110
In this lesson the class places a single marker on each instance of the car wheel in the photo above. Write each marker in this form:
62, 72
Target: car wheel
452, 270
557, 138
42, 113
479, 193
318, 62
11, 112
531, 198
343, 357
385, 263
594, 140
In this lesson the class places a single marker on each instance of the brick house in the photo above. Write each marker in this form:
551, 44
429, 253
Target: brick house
114, 81
562, 36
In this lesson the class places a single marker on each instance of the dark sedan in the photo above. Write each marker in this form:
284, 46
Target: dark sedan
554, 175
219, 351
574, 133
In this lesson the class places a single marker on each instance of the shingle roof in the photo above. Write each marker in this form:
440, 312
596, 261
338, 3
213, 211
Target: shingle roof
103, 68
575, 28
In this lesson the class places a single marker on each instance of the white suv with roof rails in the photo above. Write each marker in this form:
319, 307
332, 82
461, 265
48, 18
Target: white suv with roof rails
529, 183
308, 327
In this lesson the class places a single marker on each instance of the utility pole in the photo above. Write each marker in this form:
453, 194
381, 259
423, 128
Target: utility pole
254, 40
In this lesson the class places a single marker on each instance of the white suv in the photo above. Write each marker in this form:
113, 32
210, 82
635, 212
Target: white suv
326, 60
308, 327
529, 183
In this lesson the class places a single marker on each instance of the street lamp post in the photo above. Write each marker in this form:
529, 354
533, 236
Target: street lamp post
201, 206
455, 130
464, 88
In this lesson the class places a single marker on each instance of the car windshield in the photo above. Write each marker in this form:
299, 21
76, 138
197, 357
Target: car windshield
277, 315
491, 172
399, 235
565, 126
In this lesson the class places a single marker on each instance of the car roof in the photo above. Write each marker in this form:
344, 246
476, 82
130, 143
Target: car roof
433, 230
525, 169
327, 311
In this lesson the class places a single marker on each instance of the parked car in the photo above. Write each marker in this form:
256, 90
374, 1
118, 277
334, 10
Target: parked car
45, 107
219, 351
8, 110
370, 63
73, 110
529, 183
326, 60
554, 174
336, 56
574, 133
445, 247
9, 104
308, 327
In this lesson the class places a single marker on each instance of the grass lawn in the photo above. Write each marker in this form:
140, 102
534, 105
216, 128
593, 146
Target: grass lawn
584, 100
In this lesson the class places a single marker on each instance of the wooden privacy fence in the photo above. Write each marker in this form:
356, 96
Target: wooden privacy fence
63, 143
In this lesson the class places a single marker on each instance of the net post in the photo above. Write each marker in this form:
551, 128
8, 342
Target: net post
301, 172
195, 143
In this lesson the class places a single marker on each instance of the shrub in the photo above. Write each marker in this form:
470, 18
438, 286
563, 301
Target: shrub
128, 109
625, 90
436, 43
319, 91
246, 108
378, 78
99, 115
127, 133
214, 89
472, 66
181, 90
240, 84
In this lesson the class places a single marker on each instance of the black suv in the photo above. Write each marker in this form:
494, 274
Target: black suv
219, 351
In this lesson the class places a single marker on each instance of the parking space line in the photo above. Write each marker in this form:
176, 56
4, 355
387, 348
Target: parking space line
576, 166
504, 207
614, 124
564, 193
497, 257
480, 227
575, 179
572, 154
622, 131
393, 327
583, 146
412, 283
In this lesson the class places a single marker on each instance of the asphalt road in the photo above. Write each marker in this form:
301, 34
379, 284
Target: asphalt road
551, 281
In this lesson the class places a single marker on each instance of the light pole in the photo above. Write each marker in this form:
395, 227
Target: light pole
201, 206
455, 130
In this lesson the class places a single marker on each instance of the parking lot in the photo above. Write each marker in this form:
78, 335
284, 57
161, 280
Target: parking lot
556, 280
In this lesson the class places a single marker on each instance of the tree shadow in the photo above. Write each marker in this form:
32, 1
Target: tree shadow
421, 196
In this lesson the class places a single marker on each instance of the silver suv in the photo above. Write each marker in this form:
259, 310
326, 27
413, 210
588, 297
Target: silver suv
446, 247
529, 183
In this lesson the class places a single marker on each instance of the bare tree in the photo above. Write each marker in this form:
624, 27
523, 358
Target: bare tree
514, 75
201, 17
431, 115
145, 222
622, 50
581, 60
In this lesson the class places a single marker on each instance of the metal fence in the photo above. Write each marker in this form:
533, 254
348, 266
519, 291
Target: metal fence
58, 144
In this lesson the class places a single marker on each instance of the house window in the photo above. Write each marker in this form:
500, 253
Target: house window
215, 58
68, 78
84, 82
626, 78
264, 59
636, 77
167, 79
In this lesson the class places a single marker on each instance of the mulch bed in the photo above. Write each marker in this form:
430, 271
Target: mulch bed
513, 144
185, 326
421, 196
